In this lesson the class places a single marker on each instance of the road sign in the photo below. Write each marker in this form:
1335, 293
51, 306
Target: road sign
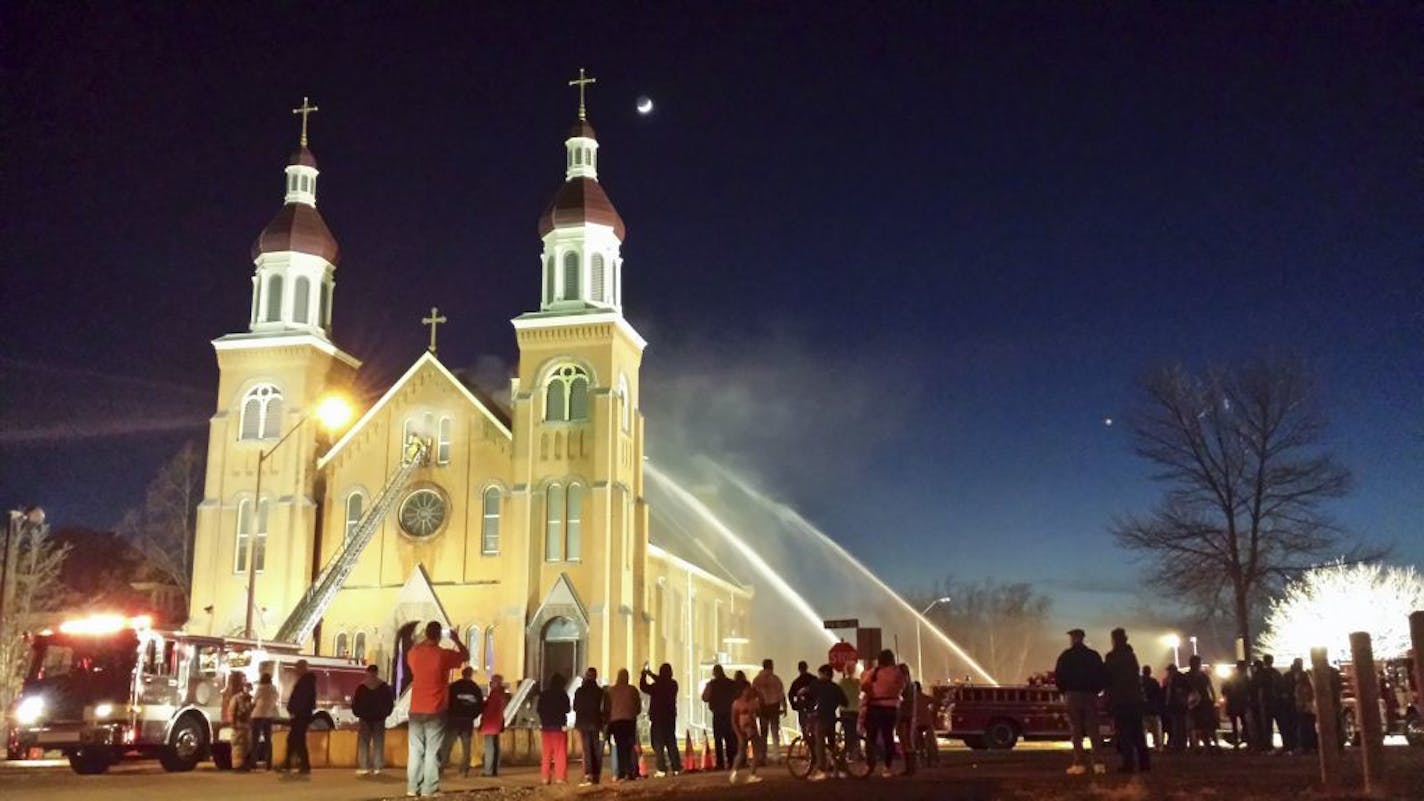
842, 654
867, 641
845, 623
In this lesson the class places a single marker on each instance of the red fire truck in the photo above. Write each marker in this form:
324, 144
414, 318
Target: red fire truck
998, 717
105, 687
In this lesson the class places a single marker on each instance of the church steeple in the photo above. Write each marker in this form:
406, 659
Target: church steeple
582, 232
295, 255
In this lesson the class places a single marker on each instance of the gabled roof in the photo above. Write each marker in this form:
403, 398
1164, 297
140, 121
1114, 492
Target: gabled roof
492, 411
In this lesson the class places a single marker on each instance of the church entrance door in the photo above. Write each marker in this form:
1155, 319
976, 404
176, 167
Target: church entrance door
560, 649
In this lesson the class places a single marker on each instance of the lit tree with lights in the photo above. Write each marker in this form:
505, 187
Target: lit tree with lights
1324, 605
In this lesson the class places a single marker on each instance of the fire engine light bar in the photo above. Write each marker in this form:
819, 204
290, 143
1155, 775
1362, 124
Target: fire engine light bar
104, 624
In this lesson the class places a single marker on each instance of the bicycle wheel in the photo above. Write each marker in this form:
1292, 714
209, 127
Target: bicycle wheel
798, 758
852, 757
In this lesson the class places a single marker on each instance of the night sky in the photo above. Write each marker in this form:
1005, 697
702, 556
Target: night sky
899, 261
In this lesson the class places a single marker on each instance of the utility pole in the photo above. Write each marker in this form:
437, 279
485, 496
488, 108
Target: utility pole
1326, 718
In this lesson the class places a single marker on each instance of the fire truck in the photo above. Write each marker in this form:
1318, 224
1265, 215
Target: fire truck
992, 717
104, 687
1400, 701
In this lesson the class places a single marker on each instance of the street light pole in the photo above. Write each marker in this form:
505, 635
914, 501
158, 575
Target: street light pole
334, 412
919, 640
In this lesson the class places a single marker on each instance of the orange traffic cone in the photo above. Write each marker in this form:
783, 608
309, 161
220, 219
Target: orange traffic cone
689, 757
709, 762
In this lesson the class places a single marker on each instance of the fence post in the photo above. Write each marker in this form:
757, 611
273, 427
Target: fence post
1367, 698
1326, 718
1416, 636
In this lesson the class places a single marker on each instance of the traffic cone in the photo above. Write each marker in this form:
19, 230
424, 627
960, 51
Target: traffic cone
689, 756
642, 757
709, 762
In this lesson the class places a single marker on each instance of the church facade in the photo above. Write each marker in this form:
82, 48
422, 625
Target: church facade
526, 528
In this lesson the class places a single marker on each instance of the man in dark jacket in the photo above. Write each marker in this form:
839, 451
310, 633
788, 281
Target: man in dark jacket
719, 694
1125, 699
826, 698
1079, 674
662, 717
799, 701
466, 703
591, 708
1263, 701
1155, 702
301, 706
371, 705
1238, 702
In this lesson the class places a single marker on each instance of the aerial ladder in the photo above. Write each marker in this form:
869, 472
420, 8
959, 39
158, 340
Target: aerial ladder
303, 619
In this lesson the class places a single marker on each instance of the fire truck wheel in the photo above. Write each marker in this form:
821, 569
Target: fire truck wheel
1001, 735
976, 742
322, 722
187, 745
90, 761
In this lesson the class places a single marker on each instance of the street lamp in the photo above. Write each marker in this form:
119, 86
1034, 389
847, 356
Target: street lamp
1193, 641
919, 641
333, 412
1174, 642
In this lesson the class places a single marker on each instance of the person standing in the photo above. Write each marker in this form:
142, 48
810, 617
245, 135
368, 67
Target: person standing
371, 705
1127, 703
430, 665
773, 706
1238, 700
1079, 674
1307, 740
662, 717
1263, 698
850, 715
882, 686
553, 709
264, 711
1201, 704
1176, 690
239, 713
624, 704
465, 704
301, 707
591, 707
746, 717
825, 699
799, 701
719, 695
1285, 706
492, 724
905, 722
1153, 702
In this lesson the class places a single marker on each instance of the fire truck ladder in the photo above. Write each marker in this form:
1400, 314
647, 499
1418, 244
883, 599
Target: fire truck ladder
298, 626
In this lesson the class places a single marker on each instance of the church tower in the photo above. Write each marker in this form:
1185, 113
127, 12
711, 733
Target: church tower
270, 378
579, 435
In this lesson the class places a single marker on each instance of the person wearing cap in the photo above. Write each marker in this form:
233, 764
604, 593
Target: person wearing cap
1080, 676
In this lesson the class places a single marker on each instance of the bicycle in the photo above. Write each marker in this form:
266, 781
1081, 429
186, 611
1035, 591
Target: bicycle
800, 761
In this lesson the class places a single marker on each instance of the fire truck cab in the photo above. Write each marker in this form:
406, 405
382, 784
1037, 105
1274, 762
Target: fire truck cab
104, 687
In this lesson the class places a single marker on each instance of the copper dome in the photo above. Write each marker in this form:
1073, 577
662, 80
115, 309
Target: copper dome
297, 227
579, 201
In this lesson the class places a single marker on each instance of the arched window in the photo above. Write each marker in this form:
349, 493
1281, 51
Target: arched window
571, 275
554, 406
301, 299
489, 533
578, 398
354, 503
343, 647
574, 524
358, 647
596, 281
261, 413
566, 396
274, 299
323, 317
442, 449
554, 523
578, 156
245, 536
489, 649
625, 404
259, 548
306, 183
549, 280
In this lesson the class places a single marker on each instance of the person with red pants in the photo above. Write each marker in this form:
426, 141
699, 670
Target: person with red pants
882, 686
553, 711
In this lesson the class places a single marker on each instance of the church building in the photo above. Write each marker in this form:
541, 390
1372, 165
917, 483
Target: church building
525, 525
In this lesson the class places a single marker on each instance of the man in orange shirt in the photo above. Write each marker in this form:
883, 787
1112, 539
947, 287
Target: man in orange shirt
430, 667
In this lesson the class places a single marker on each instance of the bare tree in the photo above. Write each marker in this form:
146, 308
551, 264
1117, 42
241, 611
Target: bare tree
163, 528
1239, 451
1002, 625
31, 589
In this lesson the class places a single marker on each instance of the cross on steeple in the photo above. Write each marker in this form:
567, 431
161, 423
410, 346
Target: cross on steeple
581, 81
435, 319
304, 110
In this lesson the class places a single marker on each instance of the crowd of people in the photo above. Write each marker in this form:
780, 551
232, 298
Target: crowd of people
1181, 711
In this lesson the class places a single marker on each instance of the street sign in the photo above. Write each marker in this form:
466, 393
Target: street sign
842, 654
867, 641
845, 623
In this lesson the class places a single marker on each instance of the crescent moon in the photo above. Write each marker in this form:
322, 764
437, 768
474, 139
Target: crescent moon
645, 105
